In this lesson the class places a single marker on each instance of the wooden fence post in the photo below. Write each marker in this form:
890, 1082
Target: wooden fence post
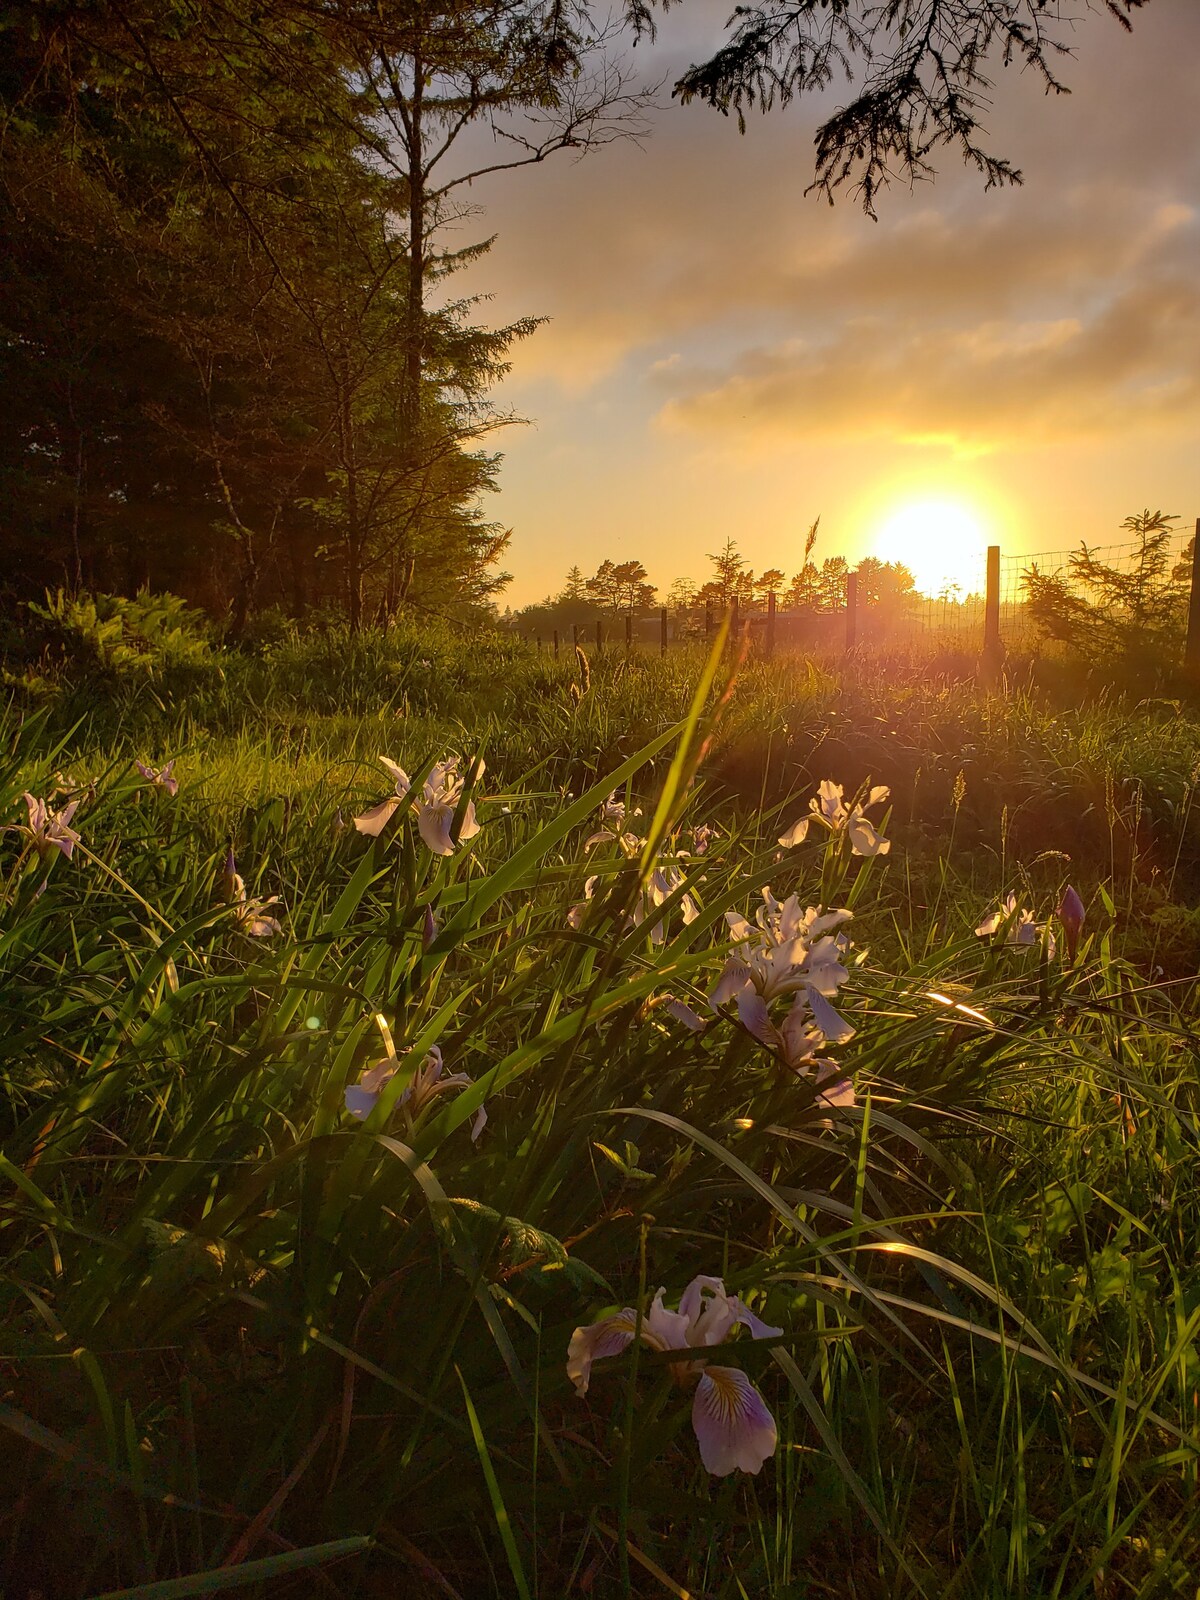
556, 644
734, 618
575, 634
769, 645
851, 609
628, 632
599, 636
708, 619
662, 631
992, 648
1191, 654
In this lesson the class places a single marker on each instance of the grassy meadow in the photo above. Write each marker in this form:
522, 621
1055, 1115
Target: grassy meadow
253, 1342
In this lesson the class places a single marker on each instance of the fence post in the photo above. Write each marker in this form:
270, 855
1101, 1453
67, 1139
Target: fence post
662, 631
851, 609
575, 634
734, 618
539, 644
769, 647
1191, 654
707, 620
992, 647
556, 644
599, 636
628, 632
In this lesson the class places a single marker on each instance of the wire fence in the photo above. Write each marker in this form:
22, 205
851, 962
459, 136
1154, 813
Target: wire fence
953, 621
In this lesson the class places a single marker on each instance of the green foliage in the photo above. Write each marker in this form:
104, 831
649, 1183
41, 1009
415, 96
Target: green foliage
101, 635
1132, 614
244, 1329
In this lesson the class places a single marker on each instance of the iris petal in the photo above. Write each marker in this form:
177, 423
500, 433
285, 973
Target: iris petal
735, 1430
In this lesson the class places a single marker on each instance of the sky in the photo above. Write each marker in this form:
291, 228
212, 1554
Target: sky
726, 357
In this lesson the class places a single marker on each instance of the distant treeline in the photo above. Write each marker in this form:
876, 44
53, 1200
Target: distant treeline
623, 589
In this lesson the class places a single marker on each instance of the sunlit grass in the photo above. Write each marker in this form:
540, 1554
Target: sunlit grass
245, 1327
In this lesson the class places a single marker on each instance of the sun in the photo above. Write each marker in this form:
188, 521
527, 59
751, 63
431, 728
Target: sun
941, 542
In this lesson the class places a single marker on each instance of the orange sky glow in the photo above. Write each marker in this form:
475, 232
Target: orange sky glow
726, 357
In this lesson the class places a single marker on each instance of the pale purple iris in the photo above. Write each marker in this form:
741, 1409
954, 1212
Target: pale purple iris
829, 808
250, 916
160, 777
428, 1082
733, 1427
1071, 914
1018, 926
50, 830
435, 808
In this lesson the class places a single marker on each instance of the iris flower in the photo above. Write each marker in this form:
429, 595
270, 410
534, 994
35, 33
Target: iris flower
49, 830
1071, 914
658, 888
829, 808
435, 808
702, 836
784, 951
160, 777
733, 1427
249, 915
1020, 928
428, 1081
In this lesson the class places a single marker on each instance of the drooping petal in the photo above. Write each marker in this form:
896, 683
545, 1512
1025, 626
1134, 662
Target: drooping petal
800, 1036
478, 1123
735, 976
374, 821
865, 839
608, 1337
433, 824
735, 1430
756, 1019
824, 971
682, 1012
360, 1102
374, 1078
835, 1028
796, 834
833, 1087
758, 1328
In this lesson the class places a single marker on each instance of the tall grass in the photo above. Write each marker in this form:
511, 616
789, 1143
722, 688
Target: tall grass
253, 1340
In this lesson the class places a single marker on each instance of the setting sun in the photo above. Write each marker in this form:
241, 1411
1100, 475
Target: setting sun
941, 542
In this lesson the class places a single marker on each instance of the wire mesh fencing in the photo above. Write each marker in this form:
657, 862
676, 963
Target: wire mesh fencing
954, 621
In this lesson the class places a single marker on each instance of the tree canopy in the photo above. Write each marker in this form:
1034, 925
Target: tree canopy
921, 69
225, 368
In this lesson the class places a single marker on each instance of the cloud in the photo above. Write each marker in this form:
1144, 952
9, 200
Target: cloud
1131, 363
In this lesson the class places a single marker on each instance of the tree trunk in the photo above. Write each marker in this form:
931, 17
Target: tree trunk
414, 331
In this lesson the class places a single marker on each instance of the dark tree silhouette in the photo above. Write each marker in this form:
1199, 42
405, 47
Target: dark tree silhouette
921, 69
